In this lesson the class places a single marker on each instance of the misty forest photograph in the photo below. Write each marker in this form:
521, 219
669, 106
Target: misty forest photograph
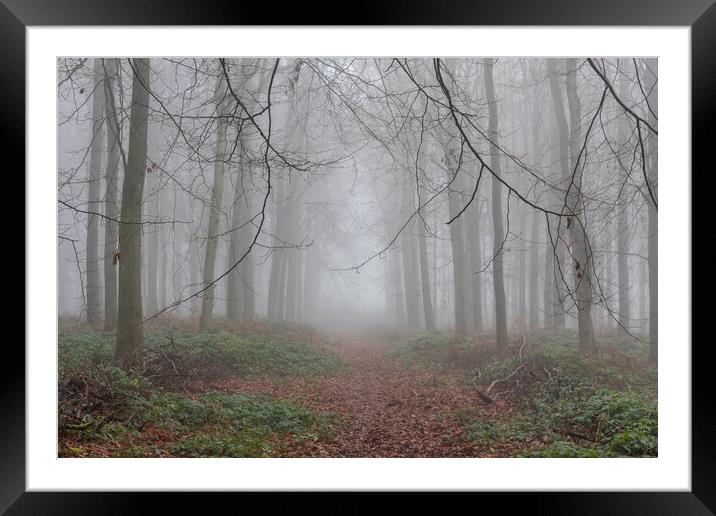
357, 257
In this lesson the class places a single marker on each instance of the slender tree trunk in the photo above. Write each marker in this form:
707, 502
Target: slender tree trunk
239, 216
240, 299
498, 224
130, 330
473, 214
535, 228
581, 252
653, 258
281, 292
560, 269
312, 282
153, 243
234, 290
92, 266
399, 306
522, 259
437, 272
549, 281
212, 241
277, 273
111, 204
653, 238
622, 225
152, 208
273, 287
534, 271
463, 294
292, 284
299, 286
409, 279
425, 278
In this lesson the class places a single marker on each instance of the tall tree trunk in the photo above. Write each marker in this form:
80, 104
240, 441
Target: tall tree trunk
608, 267
276, 255
536, 151
409, 279
463, 295
111, 204
247, 272
622, 225
549, 284
92, 267
312, 282
559, 260
498, 224
217, 191
534, 271
425, 278
130, 330
474, 216
281, 292
299, 286
396, 280
411, 293
653, 238
522, 260
153, 243
292, 284
581, 252
239, 216
153, 230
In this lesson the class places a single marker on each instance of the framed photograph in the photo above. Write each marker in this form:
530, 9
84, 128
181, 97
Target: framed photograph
422, 252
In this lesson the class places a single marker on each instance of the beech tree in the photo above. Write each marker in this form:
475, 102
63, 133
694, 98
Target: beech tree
130, 328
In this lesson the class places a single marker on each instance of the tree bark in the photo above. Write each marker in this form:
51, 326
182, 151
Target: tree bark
130, 330
111, 204
558, 237
653, 238
212, 241
622, 224
462, 296
92, 266
425, 278
475, 246
498, 224
522, 260
409, 279
581, 252
534, 271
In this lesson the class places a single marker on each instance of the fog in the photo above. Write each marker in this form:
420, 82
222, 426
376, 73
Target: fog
486, 196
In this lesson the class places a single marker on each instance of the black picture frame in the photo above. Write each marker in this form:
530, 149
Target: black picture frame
16, 15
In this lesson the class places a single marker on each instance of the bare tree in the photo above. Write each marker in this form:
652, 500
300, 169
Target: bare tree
581, 253
217, 192
94, 289
130, 329
111, 203
497, 221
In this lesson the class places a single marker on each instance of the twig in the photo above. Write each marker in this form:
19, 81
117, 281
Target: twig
521, 366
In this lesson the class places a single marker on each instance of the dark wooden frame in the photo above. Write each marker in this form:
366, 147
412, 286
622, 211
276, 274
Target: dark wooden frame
16, 15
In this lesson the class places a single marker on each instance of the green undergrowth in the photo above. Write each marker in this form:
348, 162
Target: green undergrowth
177, 352
561, 403
130, 418
156, 411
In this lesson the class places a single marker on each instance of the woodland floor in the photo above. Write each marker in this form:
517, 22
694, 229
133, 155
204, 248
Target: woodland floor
275, 390
387, 409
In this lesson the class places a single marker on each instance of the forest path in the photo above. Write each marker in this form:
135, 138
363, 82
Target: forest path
387, 410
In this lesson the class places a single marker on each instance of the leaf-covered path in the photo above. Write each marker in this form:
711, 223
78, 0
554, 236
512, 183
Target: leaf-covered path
387, 410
